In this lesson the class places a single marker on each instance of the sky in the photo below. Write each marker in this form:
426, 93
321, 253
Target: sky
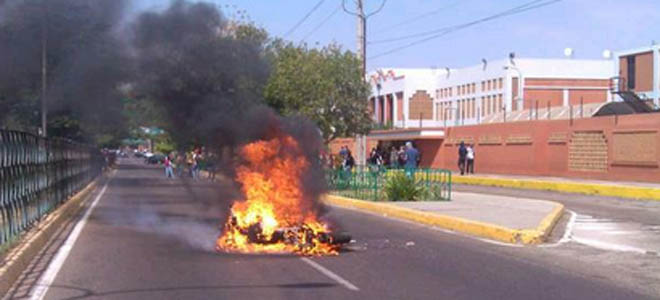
587, 26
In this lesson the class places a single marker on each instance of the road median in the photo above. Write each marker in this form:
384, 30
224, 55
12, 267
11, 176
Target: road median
594, 189
18, 258
527, 236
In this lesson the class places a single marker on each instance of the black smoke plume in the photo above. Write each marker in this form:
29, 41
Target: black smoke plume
85, 57
188, 59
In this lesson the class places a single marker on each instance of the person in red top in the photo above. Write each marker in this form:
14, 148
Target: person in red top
169, 173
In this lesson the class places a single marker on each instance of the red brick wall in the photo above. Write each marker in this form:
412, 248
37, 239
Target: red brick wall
550, 159
555, 97
567, 82
541, 147
589, 96
643, 71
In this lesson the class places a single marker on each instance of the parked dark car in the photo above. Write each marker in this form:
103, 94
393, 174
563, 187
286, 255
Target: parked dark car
155, 159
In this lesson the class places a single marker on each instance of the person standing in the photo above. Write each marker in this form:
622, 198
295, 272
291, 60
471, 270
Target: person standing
470, 159
462, 153
349, 161
169, 173
343, 152
394, 158
402, 156
179, 162
194, 166
411, 159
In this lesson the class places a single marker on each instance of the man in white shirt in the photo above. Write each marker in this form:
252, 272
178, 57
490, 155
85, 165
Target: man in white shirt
470, 159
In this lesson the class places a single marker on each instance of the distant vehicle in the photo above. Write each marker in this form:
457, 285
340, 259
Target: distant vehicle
155, 159
148, 154
138, 154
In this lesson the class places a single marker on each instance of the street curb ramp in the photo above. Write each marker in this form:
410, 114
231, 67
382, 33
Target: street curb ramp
594, 189
529, 236
31, 243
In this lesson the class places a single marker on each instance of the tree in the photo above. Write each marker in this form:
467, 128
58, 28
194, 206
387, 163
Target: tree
323, 85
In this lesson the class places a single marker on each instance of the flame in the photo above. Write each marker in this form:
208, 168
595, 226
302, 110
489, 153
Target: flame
274, 217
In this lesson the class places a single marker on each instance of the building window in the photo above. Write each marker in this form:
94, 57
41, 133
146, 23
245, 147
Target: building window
489, 86
631, 72
474, 87
500, 83
483, 106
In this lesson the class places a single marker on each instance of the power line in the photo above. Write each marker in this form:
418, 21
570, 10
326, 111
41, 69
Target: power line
447, 30
309, 13
511, 11
322, 23
420, 17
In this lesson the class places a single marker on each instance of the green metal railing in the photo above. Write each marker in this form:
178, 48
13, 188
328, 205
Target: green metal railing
368, 182
37, 175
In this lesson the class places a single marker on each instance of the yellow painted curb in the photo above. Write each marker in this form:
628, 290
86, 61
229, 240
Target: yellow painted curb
595, 189
19, 258
491, 231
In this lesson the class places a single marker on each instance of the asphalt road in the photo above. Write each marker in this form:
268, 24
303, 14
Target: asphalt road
152, 238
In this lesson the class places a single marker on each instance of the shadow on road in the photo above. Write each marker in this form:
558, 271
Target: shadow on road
86, 293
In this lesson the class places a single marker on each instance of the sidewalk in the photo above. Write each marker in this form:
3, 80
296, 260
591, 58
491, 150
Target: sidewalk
621, 189
513, 213
505, 219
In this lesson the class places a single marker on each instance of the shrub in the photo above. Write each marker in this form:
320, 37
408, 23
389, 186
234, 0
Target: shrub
400, 187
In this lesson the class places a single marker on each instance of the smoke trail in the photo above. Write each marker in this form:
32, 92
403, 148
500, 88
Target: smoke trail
85, 57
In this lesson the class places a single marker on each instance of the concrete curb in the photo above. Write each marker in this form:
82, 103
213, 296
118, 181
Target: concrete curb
490, 231
594, 189
19, 258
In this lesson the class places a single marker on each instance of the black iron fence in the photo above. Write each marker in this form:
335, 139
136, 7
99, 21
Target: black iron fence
37, 175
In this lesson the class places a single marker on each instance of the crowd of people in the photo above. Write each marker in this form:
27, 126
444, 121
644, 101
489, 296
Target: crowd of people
181, 161
407, 157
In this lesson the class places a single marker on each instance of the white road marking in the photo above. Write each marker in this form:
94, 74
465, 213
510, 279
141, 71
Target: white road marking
500, 243
330, 274
54, 267
622, 232
608, 246
598, 227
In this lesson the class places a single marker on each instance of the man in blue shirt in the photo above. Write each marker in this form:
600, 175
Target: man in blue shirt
412, 156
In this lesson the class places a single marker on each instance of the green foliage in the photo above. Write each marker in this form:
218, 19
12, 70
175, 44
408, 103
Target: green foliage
400, 187
325, 85
433, 192
386, 126
164, 146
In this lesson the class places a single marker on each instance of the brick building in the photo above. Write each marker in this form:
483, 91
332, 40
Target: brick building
640, 70
473, 95
547, 117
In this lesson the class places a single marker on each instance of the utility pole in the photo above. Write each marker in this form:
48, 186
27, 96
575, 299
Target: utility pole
44, 70
362, 56
362, 36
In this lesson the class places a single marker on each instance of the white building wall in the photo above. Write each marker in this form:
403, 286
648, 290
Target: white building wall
433, 80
